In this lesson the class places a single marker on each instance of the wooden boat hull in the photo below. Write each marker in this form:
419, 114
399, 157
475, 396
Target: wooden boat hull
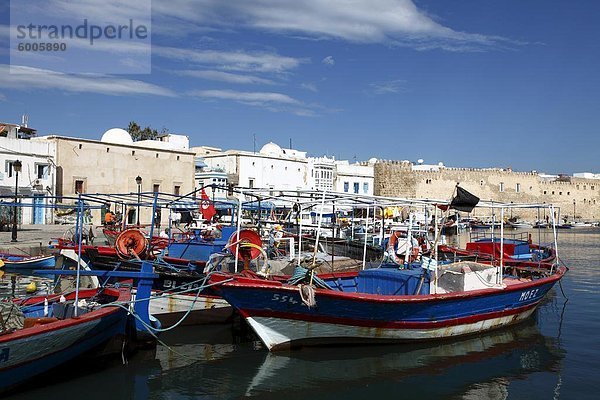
28, 352
277, 314
172, 307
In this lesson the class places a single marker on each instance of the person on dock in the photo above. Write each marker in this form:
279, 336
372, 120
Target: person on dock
109, 219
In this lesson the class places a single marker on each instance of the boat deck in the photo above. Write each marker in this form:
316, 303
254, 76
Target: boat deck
509, 281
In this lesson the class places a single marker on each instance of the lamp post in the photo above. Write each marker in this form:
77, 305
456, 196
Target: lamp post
573, 210
138, 180
17, 168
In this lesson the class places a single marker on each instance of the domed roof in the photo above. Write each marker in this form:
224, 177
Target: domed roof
272, 149
117, 135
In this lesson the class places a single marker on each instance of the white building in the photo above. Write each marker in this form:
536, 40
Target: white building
37, 177
586, 175
354, 178
278, 168
322, 173
206, 176
271, 167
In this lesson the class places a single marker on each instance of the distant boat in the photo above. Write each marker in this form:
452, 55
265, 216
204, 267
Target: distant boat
17, 261
520, 225
475, 225
580, 224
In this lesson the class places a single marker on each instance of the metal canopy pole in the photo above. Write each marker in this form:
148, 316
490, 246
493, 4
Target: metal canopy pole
79, 233
555, 238
499, 276
366, 235
239, 227
318, 230
300, 234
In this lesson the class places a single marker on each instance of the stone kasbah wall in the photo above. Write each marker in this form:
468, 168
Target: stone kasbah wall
397, 179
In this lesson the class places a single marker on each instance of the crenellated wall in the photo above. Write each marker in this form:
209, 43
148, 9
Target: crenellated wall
396, 178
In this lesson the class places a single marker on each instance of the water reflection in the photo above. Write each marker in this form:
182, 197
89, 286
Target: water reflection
473, 367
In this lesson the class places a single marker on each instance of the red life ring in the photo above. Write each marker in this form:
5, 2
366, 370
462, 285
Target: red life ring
245, 236
131, 243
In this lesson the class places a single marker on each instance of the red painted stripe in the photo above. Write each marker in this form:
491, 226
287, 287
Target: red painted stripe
387, 324
267, 285
124, 296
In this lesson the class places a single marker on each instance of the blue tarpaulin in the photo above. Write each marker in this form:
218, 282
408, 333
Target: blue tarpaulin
252, 205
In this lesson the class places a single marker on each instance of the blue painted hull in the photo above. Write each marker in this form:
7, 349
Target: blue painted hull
279, 316
32, 351
16, 262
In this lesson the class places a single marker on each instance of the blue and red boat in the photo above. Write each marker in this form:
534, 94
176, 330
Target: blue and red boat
39, 337
387, 304
18, 261
40, 333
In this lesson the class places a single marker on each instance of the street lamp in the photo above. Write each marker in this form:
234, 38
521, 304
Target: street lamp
17, 168
573, 210
138, 180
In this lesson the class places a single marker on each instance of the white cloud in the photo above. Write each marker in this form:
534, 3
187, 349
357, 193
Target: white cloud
360, 21
247, 97
329, 61
24, 78
231, 60
272, 101
225, 77
393, 86
309, 86
95, 11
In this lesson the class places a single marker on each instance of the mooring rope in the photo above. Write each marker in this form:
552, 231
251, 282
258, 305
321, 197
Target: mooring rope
307, 294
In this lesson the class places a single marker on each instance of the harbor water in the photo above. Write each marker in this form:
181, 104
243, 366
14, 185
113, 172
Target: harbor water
553, 355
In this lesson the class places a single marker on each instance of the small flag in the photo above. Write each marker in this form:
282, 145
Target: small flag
206, 207
464, 201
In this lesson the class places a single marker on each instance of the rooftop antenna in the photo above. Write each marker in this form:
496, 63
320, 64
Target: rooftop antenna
24, 120
290, 143
254, 141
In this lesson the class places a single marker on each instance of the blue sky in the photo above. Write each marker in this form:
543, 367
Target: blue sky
474, 83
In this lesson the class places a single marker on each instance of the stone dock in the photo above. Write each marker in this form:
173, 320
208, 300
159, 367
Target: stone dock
33, 239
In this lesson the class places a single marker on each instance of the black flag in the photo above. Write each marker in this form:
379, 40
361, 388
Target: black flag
464, 201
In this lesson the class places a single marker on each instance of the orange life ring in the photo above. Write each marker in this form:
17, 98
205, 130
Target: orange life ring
131, 242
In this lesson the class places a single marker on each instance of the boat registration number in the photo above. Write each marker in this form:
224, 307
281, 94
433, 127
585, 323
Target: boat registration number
529, 294
283, 298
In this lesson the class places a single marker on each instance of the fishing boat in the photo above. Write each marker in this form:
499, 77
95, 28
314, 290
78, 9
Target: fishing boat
425, 300
17, 261
42, 333
517, 249
517, 223
386, 305
580, 224
180, 294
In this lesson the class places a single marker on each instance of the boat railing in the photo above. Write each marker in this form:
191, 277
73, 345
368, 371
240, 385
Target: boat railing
482, 235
